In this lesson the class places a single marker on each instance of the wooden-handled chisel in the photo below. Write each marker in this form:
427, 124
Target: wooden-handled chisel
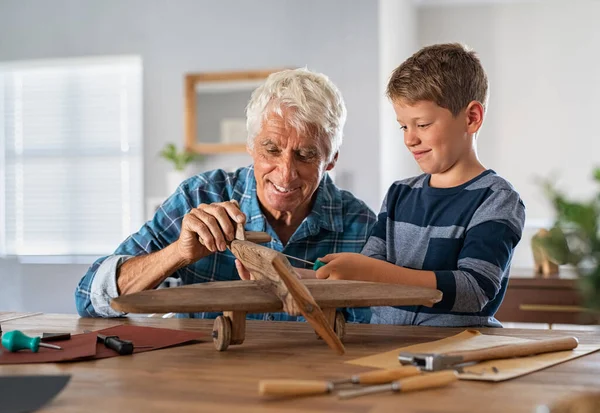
312, 387
414, 383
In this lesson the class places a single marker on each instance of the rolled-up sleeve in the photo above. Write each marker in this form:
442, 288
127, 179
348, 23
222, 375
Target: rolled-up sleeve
99, 285
104, 286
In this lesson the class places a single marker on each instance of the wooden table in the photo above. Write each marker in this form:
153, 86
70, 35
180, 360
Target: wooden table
197, 378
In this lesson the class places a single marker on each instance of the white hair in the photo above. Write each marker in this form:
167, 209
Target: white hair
316, 102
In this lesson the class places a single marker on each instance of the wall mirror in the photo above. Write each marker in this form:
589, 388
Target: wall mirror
215, 104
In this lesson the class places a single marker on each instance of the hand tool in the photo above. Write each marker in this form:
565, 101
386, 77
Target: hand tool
257, 237
16, 340
262, 237
435, 362
123, 347
420, 382
311, 387
316, 265
47, 337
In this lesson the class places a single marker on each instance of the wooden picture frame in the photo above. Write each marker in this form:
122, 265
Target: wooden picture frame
242, 80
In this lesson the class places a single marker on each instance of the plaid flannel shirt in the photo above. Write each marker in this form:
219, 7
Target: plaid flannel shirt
338, 222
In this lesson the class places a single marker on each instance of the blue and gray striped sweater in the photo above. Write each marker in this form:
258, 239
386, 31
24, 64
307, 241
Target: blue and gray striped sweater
466, 235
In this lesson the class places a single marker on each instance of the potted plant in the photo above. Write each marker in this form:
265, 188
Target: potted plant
575, 239
180, 161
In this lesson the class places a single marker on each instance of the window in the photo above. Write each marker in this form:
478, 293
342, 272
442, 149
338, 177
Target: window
70, 155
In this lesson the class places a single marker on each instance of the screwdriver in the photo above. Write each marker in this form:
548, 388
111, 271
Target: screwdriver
16, 340
316, 265
312, 387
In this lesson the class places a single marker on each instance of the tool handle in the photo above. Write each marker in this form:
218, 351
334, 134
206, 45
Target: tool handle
293, 387
385, 376
518, 350
16, 340
122, 347
257, 237
318, 264
428, 381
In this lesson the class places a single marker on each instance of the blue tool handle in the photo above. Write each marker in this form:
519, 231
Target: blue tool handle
16, 340
318, 264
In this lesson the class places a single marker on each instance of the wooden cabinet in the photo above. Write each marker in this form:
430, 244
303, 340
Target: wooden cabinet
543, 300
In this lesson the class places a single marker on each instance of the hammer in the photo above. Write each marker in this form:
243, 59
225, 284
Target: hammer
436, 362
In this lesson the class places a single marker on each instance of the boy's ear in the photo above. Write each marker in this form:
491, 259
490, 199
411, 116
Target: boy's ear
332, 163
475, 113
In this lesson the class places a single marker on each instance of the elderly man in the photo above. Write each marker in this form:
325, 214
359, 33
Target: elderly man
295, 121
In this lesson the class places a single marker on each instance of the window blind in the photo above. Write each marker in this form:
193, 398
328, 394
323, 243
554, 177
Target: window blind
70, 155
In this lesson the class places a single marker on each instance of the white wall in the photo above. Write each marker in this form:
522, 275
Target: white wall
397, 41
543, 63
336, 37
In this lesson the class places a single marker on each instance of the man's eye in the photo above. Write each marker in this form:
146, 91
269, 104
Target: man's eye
305, 156
272, 150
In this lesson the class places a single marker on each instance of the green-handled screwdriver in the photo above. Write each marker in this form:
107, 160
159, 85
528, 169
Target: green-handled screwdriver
316, 265
16, 340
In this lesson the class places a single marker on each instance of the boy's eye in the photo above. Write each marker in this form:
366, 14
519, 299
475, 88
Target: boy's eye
403, 128
424, 125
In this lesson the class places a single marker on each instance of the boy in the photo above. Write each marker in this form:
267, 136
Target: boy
454, 227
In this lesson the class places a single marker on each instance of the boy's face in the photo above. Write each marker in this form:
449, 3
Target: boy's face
436, 139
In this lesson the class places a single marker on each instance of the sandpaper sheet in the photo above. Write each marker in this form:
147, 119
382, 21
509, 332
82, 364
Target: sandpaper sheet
85, 346
157, 338
493, 370
79, 346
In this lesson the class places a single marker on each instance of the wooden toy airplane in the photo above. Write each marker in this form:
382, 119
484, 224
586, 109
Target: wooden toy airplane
275, 287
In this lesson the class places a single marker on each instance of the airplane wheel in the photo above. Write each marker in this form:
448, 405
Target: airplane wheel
221, 333
340, 325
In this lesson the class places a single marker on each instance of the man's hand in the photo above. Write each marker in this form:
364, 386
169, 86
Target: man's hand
346, 266
207, 229
243, 271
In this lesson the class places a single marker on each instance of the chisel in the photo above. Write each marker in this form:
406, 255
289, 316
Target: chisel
420, 382
313, 387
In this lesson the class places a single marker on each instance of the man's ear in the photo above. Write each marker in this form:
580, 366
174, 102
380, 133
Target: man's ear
474, 114
332, 163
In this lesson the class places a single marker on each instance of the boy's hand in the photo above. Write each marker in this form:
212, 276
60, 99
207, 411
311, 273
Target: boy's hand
346, 266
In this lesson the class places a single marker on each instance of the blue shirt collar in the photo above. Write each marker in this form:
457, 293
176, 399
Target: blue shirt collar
326, 212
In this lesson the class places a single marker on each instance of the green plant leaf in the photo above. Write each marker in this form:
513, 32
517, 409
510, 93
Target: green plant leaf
575, 239
555, 246
180, 159
597, 174
581, 215
590, 289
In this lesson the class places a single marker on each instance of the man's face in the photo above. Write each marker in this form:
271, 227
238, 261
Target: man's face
288, 166
436, 139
